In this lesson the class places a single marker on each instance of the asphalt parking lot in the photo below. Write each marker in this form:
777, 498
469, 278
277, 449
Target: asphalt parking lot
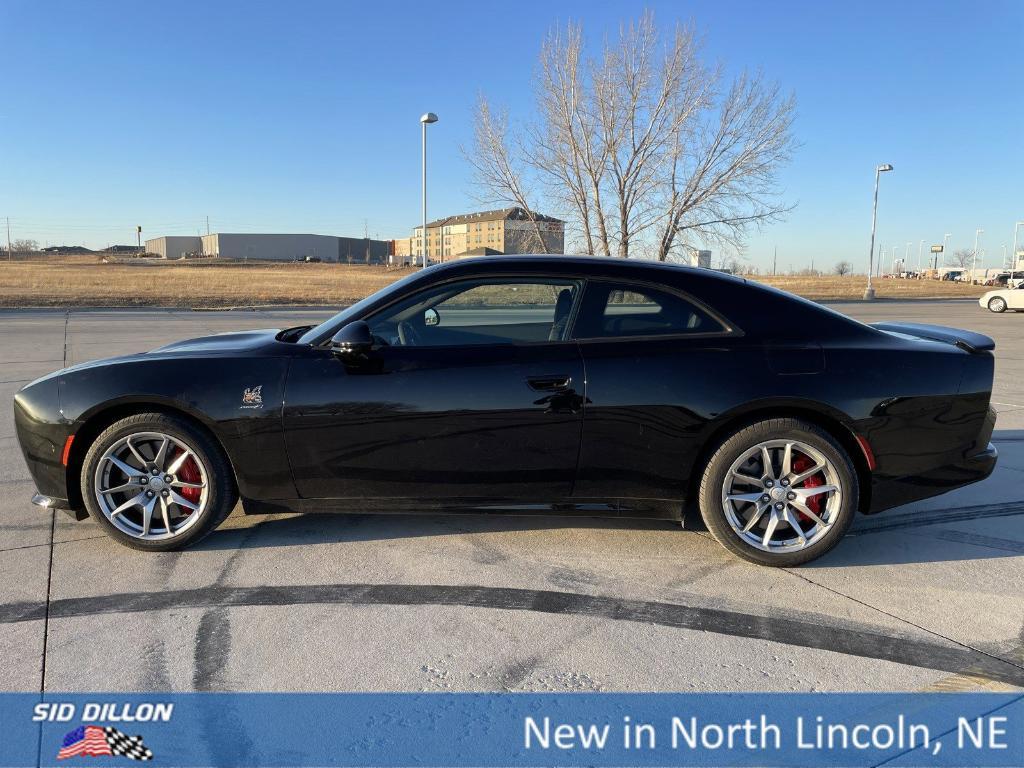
924, 597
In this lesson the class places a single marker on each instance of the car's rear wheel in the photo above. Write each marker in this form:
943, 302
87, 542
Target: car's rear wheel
996, 304
157, 482
780, 492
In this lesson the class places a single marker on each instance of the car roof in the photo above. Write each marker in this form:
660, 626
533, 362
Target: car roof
588, 263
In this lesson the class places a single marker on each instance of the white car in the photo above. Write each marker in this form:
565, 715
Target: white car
1003, 299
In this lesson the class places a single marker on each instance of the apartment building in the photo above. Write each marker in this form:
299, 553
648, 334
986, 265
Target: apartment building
508, 230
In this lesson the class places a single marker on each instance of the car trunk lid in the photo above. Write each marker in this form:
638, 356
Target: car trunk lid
969, 341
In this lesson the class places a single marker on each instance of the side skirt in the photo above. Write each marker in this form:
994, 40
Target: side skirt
669, 509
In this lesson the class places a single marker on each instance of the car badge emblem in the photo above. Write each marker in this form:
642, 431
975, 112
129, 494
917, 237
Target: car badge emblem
253, 397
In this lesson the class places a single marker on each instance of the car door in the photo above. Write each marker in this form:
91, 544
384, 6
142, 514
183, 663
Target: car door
657, 364
471, 392
1014, 297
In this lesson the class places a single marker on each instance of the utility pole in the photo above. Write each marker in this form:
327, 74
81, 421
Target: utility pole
8, 238
775, 260
920, 250
207, 225
974, 267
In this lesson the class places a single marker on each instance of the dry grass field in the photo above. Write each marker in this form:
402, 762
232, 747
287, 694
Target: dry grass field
86, 282
833, 287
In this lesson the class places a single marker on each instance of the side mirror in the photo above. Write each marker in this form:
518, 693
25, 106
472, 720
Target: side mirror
352, 340
431, 317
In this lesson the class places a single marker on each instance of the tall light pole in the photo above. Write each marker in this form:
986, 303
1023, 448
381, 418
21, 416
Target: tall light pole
975, 265
945, 254
869, 292
894, 249
906, 258
1013, 253
920, 252
426, 120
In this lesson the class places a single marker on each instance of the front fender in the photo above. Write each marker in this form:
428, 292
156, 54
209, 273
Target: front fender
211, 390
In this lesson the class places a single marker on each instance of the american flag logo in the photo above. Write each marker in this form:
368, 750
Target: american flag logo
97, 741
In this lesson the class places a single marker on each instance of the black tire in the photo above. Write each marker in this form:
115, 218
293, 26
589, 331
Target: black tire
997, 304
733, 447
222, 491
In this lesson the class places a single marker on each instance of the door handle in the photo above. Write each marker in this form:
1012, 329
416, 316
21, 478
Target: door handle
550, 383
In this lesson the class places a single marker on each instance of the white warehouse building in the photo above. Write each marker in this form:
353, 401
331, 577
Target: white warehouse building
270, 247
274, 247
173, 247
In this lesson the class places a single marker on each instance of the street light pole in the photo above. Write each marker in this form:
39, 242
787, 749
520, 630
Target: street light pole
1013, 253
945, 254
425, 120
975, 264
920, 253
869, 292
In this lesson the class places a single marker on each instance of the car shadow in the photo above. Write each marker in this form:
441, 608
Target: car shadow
903, 535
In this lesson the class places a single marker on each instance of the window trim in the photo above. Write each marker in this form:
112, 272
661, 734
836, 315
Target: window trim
729, 329
580, 281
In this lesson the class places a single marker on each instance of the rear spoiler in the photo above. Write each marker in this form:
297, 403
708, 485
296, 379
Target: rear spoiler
969, 341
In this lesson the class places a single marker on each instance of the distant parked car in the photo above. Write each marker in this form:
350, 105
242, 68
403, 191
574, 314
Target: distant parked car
1003, 299
999, 280
953, 274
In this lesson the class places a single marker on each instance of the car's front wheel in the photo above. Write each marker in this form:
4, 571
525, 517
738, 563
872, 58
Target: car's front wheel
157, 482
996, 304
780, 492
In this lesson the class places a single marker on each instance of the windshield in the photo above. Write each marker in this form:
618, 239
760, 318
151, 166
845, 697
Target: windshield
329, 327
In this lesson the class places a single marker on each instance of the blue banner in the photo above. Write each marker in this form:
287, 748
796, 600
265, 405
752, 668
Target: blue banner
377, 729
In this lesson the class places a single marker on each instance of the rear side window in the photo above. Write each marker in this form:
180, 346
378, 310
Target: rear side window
611, 310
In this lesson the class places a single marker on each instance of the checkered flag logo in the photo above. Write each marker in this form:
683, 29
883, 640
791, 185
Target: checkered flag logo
127, 746
97, 741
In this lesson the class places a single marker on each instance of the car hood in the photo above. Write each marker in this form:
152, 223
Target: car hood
218, 344
243, 341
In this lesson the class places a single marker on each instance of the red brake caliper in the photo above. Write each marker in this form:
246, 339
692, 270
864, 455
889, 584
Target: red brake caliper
189, 472
802, 463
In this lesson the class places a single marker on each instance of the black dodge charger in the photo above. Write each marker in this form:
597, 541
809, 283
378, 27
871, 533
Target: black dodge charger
527, 385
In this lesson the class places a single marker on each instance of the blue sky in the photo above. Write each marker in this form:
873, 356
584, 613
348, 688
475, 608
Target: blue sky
303, 116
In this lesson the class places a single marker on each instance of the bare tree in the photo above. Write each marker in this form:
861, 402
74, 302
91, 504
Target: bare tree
723, 177
960, 258
499, 171
24, 246
843, 268
564, 150
641, 147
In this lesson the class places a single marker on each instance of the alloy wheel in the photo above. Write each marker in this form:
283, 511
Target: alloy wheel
151, 485
781, 495
997, 305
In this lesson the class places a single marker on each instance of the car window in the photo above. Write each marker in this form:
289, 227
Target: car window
495, 311
618, 309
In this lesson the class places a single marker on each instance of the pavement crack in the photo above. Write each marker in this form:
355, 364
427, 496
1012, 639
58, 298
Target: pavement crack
893, 616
